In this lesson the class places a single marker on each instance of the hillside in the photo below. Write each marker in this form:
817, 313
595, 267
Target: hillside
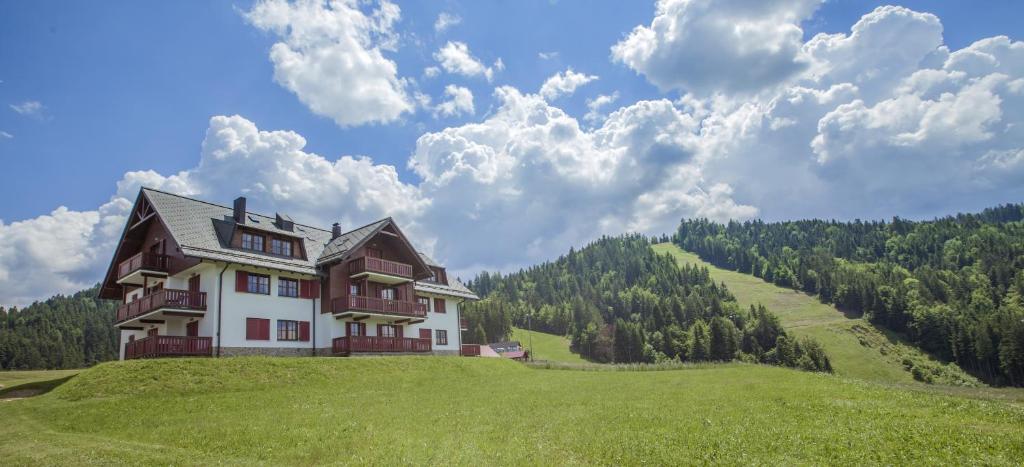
856, 347
429, 410
546, 346
953, 286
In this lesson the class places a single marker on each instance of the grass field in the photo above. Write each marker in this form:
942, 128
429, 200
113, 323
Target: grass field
856, 347
547, 346
436, 410
21, 383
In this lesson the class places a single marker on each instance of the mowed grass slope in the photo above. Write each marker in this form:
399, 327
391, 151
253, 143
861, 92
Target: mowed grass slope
424, 410
855, 346
547, 346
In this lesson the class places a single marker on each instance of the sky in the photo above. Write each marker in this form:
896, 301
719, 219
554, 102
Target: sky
498, 134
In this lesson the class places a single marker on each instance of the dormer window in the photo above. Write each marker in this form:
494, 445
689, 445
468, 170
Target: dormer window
281, 247
252, 242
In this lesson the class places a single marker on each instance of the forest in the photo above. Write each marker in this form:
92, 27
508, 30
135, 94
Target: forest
621, 302
952, 285
62, 332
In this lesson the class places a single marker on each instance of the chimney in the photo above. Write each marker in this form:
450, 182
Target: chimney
335, 231
239, 213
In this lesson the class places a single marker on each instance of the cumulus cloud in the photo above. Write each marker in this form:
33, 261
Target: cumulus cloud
731, 46
460, 101
886, 120
595, 105
446, 20
530, 176
564, 84
331, 56
32, 109
456, 58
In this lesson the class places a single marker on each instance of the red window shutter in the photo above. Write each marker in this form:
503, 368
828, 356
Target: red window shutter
439, 306
399, 332
362, 329
314, 288
265, 329
252, 328
380, 328
304, 331
424, 333
303, 288
241, 281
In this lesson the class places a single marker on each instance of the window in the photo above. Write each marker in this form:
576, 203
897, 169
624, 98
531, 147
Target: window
442, 337
252, 242
387, 293
287, 330
439, 306
257, 283
356, 329
257, 329
423, 301
287, 287
387, 330
281, 247
353, 289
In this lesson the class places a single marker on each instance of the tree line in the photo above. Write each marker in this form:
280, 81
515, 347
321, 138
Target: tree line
62, 332
619, 301
952, 285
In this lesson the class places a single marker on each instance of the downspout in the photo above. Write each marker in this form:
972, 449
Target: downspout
220, 302
312, 331
458, 316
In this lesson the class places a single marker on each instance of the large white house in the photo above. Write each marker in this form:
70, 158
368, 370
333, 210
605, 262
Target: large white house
201, 279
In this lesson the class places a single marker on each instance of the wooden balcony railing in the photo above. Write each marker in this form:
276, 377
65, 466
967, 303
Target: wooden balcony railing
165, 298
144, 260
169, 346
380, 266
463, 324
351, 344
378, 305
470, 350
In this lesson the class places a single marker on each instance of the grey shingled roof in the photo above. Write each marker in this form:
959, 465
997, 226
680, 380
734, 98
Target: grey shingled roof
201, 229
339, 246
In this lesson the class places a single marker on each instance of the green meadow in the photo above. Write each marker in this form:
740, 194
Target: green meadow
547, 347
473, 411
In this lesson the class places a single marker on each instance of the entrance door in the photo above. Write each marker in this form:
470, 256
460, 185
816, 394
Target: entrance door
192, 329
193, 289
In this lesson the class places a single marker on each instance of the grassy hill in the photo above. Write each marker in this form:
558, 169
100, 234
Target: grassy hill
547, 346
424, 410
856, 348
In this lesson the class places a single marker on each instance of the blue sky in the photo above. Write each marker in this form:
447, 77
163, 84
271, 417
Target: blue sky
92, 92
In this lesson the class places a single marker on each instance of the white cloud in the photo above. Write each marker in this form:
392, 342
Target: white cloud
455, 57
460, 101
547, 55
446, 20
32, 109
595, 105
331, 57
730, 46
564, 84
5, 135
431, 71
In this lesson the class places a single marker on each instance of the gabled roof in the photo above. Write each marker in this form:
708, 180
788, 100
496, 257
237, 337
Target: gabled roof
194, 224
349, 240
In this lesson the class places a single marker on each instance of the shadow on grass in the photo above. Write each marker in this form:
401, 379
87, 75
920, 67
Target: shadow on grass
34, 388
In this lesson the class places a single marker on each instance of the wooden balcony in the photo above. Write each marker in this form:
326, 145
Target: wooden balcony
373, 305
378, 344
169, 346
470, 350
131, 270
166, 299
380, 270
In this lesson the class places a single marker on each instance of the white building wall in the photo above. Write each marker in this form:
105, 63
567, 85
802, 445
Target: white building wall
241, 305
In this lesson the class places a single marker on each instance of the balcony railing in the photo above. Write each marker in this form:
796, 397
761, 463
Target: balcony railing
165, 298
143, 261
470, 350
169, 346
379, 266
463, 324
378, 305
351, 344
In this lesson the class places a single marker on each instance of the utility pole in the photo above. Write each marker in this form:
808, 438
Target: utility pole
529, 333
